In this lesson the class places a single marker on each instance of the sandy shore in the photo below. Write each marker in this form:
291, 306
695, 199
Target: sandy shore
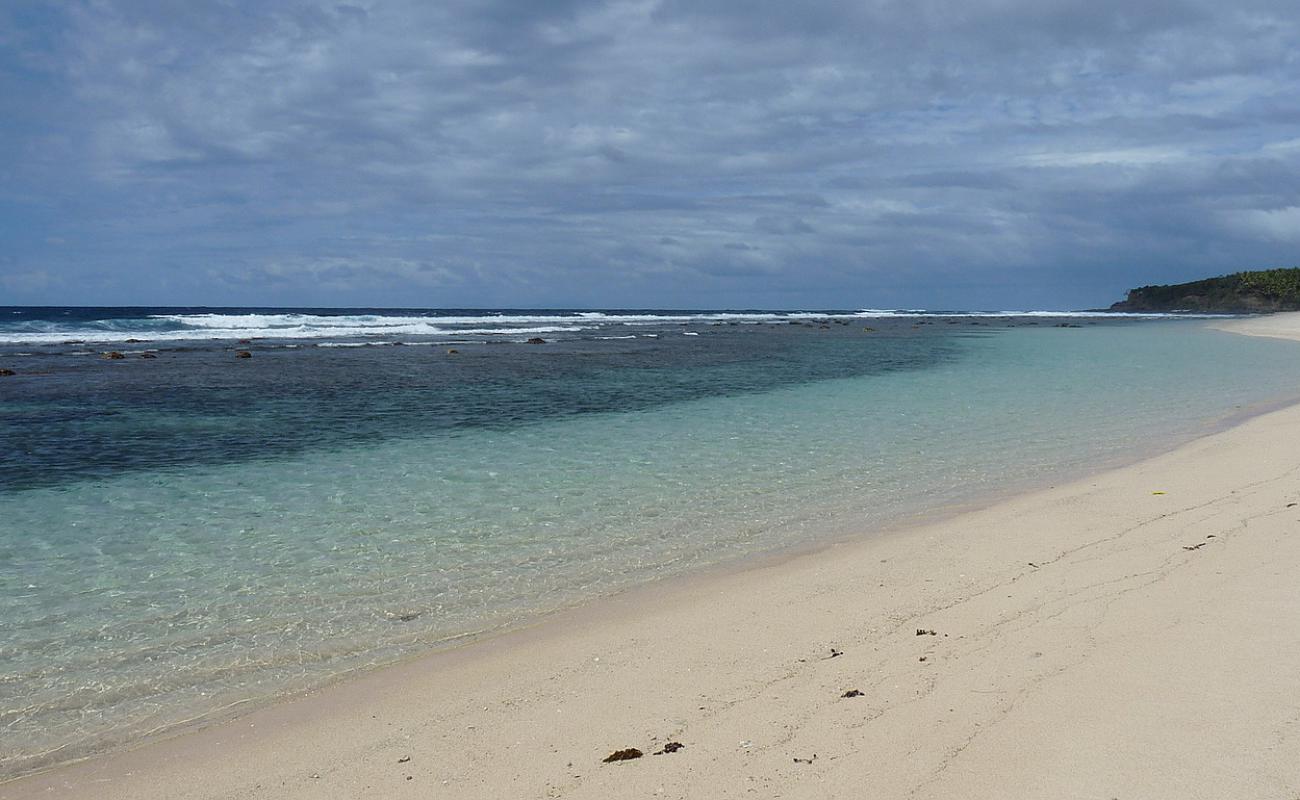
1276, 326
1132, 635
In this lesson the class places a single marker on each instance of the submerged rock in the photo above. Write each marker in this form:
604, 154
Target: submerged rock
243, 354
113, 355
148, 355
7, 372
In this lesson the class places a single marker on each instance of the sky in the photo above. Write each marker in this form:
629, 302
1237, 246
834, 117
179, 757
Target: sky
994, 154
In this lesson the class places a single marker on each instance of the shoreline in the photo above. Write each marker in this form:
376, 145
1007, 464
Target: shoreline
679, 667
1281, 325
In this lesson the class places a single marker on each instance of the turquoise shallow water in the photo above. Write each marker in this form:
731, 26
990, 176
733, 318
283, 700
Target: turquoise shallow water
131, 602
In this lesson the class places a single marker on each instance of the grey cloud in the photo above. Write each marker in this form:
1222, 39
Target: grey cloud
782, 226
511, 153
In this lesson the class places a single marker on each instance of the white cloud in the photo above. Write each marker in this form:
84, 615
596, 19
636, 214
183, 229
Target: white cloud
1276, 224
1130, 157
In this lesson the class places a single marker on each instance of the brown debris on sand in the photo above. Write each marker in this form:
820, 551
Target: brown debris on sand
926, 632
623, 755
671, 747
852, 693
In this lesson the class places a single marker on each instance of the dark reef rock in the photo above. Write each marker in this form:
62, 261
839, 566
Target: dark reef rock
537, 340
7, 372
243, 354
112, 355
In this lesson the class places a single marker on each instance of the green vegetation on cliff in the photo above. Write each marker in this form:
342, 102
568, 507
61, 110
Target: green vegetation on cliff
1257, 290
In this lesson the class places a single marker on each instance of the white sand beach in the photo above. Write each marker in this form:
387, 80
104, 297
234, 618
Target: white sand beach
1276, 326
1135, 634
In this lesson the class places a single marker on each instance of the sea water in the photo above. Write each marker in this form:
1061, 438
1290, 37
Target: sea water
193, 532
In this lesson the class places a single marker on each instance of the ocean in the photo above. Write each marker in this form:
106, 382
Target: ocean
184, 531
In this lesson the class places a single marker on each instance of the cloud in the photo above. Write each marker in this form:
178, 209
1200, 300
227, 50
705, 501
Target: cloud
1008, 153
1277, 224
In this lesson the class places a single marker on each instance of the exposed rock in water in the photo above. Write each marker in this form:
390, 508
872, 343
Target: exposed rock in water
7, 372
113, 355
537, 340
243, 354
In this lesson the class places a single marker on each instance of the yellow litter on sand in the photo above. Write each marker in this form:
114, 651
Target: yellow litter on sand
1157, 493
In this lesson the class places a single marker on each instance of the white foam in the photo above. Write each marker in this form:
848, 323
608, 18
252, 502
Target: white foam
181, 327
427, 326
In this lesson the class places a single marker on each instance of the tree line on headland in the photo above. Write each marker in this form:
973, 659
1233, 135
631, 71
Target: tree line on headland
1251, 291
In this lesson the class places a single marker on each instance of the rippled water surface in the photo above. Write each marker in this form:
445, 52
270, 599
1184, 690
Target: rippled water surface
194, 530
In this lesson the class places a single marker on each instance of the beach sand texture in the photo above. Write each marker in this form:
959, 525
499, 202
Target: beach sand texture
1132, 635
1277, 326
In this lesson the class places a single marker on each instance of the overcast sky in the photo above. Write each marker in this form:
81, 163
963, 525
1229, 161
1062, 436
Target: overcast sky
652, 153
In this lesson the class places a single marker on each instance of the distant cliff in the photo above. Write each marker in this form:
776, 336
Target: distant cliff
1258, 290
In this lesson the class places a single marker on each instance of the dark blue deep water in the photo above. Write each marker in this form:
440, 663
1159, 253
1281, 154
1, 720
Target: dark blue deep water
329, 377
